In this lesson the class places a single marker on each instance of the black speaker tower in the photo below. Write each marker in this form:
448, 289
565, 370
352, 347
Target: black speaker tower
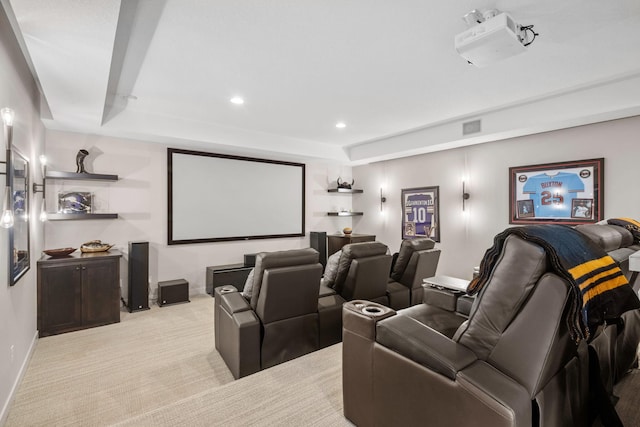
138, 276
318, 241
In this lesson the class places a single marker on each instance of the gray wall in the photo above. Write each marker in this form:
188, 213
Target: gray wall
465, 239
18, 303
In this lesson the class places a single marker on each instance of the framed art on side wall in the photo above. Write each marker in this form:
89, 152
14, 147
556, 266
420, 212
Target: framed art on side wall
557, 193
420, 213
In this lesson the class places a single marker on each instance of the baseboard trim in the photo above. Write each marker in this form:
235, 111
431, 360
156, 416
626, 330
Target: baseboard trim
4, 415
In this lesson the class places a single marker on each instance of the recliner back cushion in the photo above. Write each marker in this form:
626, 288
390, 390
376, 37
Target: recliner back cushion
367, 279
288, 258
516, 272
422, 264
289, 292
353, 251
536, 344
608, 237
407, 248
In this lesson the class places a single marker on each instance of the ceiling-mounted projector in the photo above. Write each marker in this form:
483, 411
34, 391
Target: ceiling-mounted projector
491, 40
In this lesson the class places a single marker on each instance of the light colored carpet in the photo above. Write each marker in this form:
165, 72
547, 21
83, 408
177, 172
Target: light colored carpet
159, 367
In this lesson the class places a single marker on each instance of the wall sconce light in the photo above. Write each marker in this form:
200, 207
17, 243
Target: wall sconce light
465, 195
41, 188
382, 199
6, 219
7, 117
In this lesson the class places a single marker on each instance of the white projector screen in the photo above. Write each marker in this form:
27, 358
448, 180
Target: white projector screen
215, 197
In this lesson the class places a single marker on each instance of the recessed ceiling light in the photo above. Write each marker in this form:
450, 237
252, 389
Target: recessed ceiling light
341, 125
237, 100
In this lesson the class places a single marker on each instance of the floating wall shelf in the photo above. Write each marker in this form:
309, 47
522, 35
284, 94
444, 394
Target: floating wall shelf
344, 213
80, 216
344, 190
80, 176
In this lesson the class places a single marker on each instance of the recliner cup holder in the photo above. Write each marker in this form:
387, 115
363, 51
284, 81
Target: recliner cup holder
227, 289
369, 309
372, 310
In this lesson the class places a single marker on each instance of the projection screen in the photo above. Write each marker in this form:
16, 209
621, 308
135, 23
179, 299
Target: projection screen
215, 197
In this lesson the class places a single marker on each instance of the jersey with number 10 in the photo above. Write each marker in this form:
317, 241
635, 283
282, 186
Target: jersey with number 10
419, 209
552, 195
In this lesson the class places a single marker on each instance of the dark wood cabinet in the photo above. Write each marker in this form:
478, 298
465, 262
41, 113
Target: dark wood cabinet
78, 291
335, 242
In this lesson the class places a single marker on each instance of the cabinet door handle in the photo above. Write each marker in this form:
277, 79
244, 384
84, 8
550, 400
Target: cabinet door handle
77, 268
84, 268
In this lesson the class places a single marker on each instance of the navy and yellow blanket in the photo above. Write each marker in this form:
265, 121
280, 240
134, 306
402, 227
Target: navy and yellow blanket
599, 290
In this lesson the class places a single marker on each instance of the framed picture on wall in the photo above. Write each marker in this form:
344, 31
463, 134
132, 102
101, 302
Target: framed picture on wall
557, 193
420, 213
75, 202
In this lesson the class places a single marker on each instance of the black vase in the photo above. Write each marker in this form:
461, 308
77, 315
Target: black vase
80, 161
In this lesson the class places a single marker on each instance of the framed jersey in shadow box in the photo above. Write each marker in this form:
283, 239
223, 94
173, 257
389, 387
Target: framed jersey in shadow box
420, 213
557, 193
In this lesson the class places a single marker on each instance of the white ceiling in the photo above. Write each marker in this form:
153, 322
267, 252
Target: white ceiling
164, 70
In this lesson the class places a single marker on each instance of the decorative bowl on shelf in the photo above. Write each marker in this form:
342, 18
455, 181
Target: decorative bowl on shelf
95, 246
59, 252
347, 230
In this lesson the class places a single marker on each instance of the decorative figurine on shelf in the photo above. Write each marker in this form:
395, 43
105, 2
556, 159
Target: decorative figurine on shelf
95, 246
80, 161
345, 185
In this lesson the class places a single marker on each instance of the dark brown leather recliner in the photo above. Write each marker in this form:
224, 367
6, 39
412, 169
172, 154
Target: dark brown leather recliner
363, 271
511, 363
417, 260
280, 322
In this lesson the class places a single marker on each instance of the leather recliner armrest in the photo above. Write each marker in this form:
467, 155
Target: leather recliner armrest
217, 309
424, 345
360, 317
445, 299
237, 334
506, 395
234, 302
325, 291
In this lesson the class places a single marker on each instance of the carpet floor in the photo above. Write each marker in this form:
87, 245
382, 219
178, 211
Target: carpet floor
159, 368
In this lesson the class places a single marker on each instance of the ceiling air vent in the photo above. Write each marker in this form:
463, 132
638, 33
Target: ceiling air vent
471, 127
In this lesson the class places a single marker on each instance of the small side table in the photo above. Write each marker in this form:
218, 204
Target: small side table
230, 274
447, 282
444, 291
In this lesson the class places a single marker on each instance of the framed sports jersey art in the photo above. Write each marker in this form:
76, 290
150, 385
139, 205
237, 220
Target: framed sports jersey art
558, 193
420, 213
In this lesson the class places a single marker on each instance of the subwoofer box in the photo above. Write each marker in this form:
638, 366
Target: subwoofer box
173, 292
250, 260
